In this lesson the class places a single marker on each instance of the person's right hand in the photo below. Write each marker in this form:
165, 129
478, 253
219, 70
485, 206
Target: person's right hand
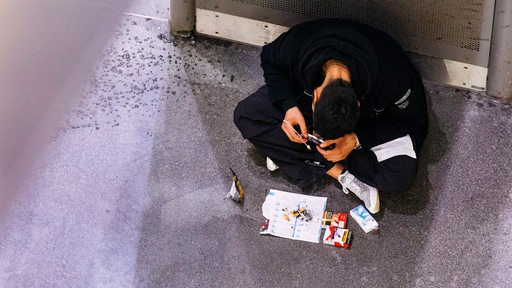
292, 118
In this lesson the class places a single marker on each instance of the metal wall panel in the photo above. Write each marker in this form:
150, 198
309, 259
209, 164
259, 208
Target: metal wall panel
454, 34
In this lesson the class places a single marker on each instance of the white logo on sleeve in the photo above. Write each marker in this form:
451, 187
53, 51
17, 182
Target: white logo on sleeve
403, 102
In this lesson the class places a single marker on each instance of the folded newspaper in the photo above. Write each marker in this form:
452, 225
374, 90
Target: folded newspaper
293, 216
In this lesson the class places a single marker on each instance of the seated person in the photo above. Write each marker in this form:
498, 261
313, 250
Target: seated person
352, 86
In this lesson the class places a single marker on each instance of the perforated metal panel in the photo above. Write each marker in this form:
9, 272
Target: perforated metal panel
456, 30
455, 23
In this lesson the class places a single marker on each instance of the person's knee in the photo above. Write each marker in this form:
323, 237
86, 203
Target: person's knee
247, 108
396, 183
237, 113
399, 176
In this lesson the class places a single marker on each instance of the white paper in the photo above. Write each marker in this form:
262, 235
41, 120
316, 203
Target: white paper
281, 208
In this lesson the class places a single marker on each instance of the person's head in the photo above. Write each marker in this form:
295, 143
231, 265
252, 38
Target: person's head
336, 109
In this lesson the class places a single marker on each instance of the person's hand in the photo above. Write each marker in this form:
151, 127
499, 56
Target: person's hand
292, 118
342, 147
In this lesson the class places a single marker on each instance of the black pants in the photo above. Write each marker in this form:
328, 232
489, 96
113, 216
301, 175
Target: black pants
259, 121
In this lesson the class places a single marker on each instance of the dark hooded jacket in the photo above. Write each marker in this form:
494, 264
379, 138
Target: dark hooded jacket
381, 74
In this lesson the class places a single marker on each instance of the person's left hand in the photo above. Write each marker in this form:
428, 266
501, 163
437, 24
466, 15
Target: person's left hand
342, 147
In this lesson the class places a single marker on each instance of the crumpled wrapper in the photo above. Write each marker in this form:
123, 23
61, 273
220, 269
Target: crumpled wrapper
236, 193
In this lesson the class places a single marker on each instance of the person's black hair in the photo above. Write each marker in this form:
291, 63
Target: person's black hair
336, 112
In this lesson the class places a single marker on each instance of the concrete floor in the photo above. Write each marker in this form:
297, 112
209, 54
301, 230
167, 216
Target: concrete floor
130, 191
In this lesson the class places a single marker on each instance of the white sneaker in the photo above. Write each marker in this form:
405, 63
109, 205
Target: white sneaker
365, 192
271, 166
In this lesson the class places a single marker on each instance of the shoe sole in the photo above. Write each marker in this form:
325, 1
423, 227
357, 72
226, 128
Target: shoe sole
271, 166
376, 209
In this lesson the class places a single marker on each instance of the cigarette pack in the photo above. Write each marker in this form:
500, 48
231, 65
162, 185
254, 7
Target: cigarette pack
338, 237
334, 219
364, 218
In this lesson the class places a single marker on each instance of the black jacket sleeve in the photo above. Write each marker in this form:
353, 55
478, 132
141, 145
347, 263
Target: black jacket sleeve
276, 74
401, 115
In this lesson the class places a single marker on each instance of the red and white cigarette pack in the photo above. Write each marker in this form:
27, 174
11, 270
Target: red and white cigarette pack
331, 219
338, 237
